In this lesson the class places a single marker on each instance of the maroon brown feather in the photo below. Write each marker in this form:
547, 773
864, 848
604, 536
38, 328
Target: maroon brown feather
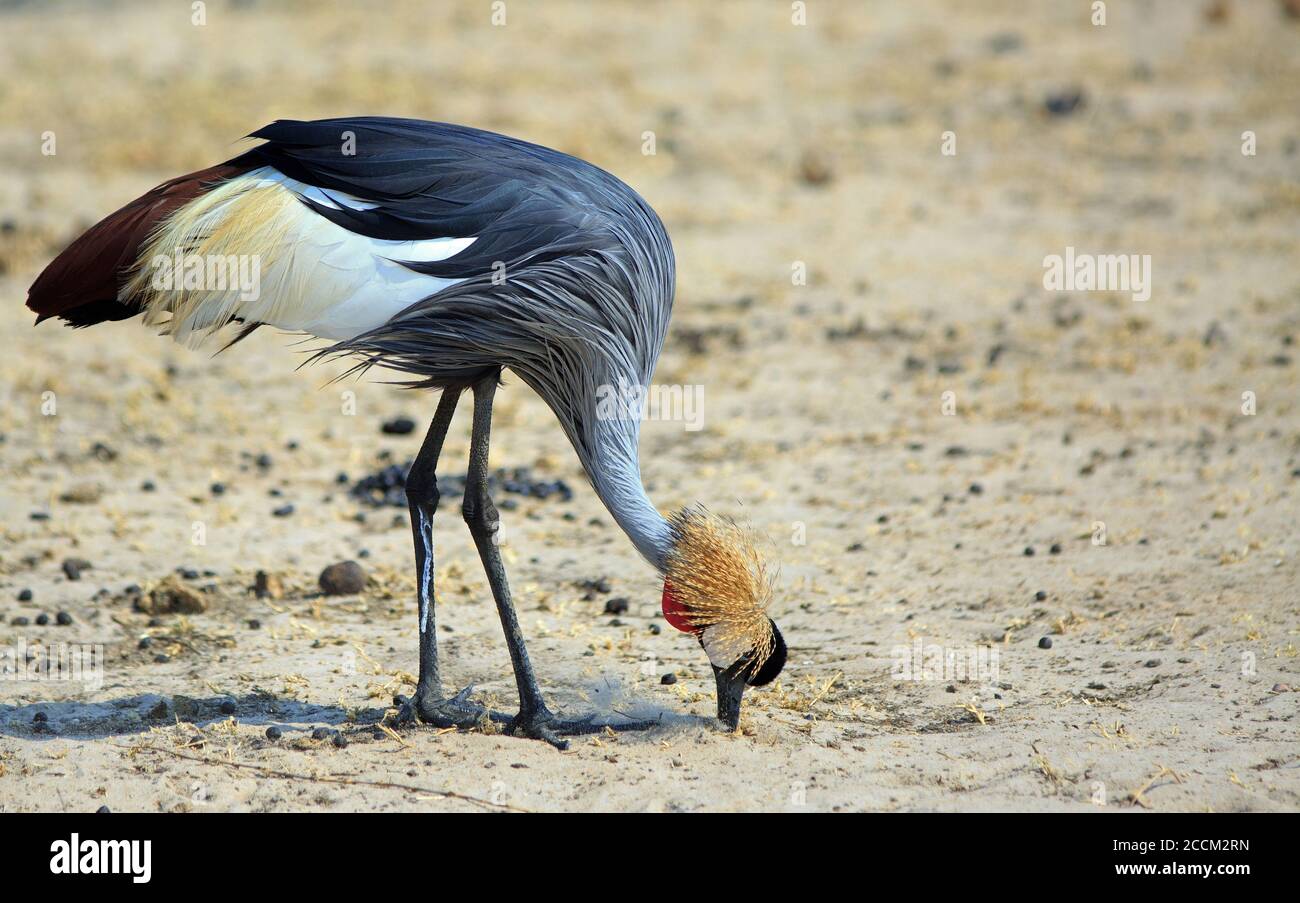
81, 284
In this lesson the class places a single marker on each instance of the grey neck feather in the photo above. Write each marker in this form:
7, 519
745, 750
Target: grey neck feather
615, 474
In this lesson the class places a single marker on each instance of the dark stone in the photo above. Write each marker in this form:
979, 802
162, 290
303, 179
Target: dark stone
25, 595
616, 606
398, 426
1045, 643
1063, 103
344, 578
63, 619
669, 678
73, 567
274, 733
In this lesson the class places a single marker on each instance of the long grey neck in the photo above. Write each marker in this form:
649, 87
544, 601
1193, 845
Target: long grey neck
615, 473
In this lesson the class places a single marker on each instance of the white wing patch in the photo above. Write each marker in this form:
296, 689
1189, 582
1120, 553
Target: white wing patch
311, 275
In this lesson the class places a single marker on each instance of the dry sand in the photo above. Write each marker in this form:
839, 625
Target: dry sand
1169, 682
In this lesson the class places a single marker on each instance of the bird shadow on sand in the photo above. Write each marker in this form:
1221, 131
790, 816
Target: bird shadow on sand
79, 720
137, 714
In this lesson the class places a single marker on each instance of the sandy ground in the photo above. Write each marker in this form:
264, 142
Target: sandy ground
1075, 416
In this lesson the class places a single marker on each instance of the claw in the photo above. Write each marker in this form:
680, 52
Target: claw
458, 711
545, 726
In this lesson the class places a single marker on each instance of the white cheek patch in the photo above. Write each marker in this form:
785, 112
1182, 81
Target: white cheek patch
724, 648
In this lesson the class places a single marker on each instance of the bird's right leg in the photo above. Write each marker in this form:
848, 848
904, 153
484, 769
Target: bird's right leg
429, 704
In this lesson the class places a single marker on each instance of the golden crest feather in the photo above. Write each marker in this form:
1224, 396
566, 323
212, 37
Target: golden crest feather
720, 579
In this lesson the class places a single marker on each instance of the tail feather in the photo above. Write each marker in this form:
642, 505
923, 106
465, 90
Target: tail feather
83, 285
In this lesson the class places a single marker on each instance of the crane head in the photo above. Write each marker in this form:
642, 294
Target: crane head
717, 588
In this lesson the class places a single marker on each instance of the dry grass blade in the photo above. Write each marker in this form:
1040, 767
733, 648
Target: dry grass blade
332, 779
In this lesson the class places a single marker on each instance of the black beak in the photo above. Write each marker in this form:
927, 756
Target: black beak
731, 687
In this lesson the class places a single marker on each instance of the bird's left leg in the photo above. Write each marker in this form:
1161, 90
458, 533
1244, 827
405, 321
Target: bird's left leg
534, 719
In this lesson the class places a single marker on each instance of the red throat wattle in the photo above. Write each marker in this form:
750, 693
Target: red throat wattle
674, 611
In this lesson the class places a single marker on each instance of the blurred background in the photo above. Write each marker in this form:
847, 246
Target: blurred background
838, 273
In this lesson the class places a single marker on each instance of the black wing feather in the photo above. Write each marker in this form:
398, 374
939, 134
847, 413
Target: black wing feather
523, 203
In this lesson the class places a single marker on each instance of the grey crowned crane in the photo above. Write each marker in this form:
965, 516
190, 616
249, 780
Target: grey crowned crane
449, 254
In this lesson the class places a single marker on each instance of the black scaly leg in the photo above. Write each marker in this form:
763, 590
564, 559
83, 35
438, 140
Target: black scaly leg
429, 704
534, 719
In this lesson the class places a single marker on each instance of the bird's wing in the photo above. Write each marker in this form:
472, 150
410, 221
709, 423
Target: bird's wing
417, 180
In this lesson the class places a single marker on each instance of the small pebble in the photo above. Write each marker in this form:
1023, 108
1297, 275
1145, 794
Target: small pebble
1055, 549
147, 486
1152, 663
1040, 596
162, 658
228, 707
254, 624
1045, 643
398, 426
42, 619
218, 488
40, 718
976, 489
274, 733
1064, 103
282, 511
343, 578
321, 733
669, 678
74, 566
339, 740
20, 621
654, 628
616, 606
1029, 551
63, 619
103, 810
25, 595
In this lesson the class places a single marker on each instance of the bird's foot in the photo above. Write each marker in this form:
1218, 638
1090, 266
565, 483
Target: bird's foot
427, 707
540, 724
